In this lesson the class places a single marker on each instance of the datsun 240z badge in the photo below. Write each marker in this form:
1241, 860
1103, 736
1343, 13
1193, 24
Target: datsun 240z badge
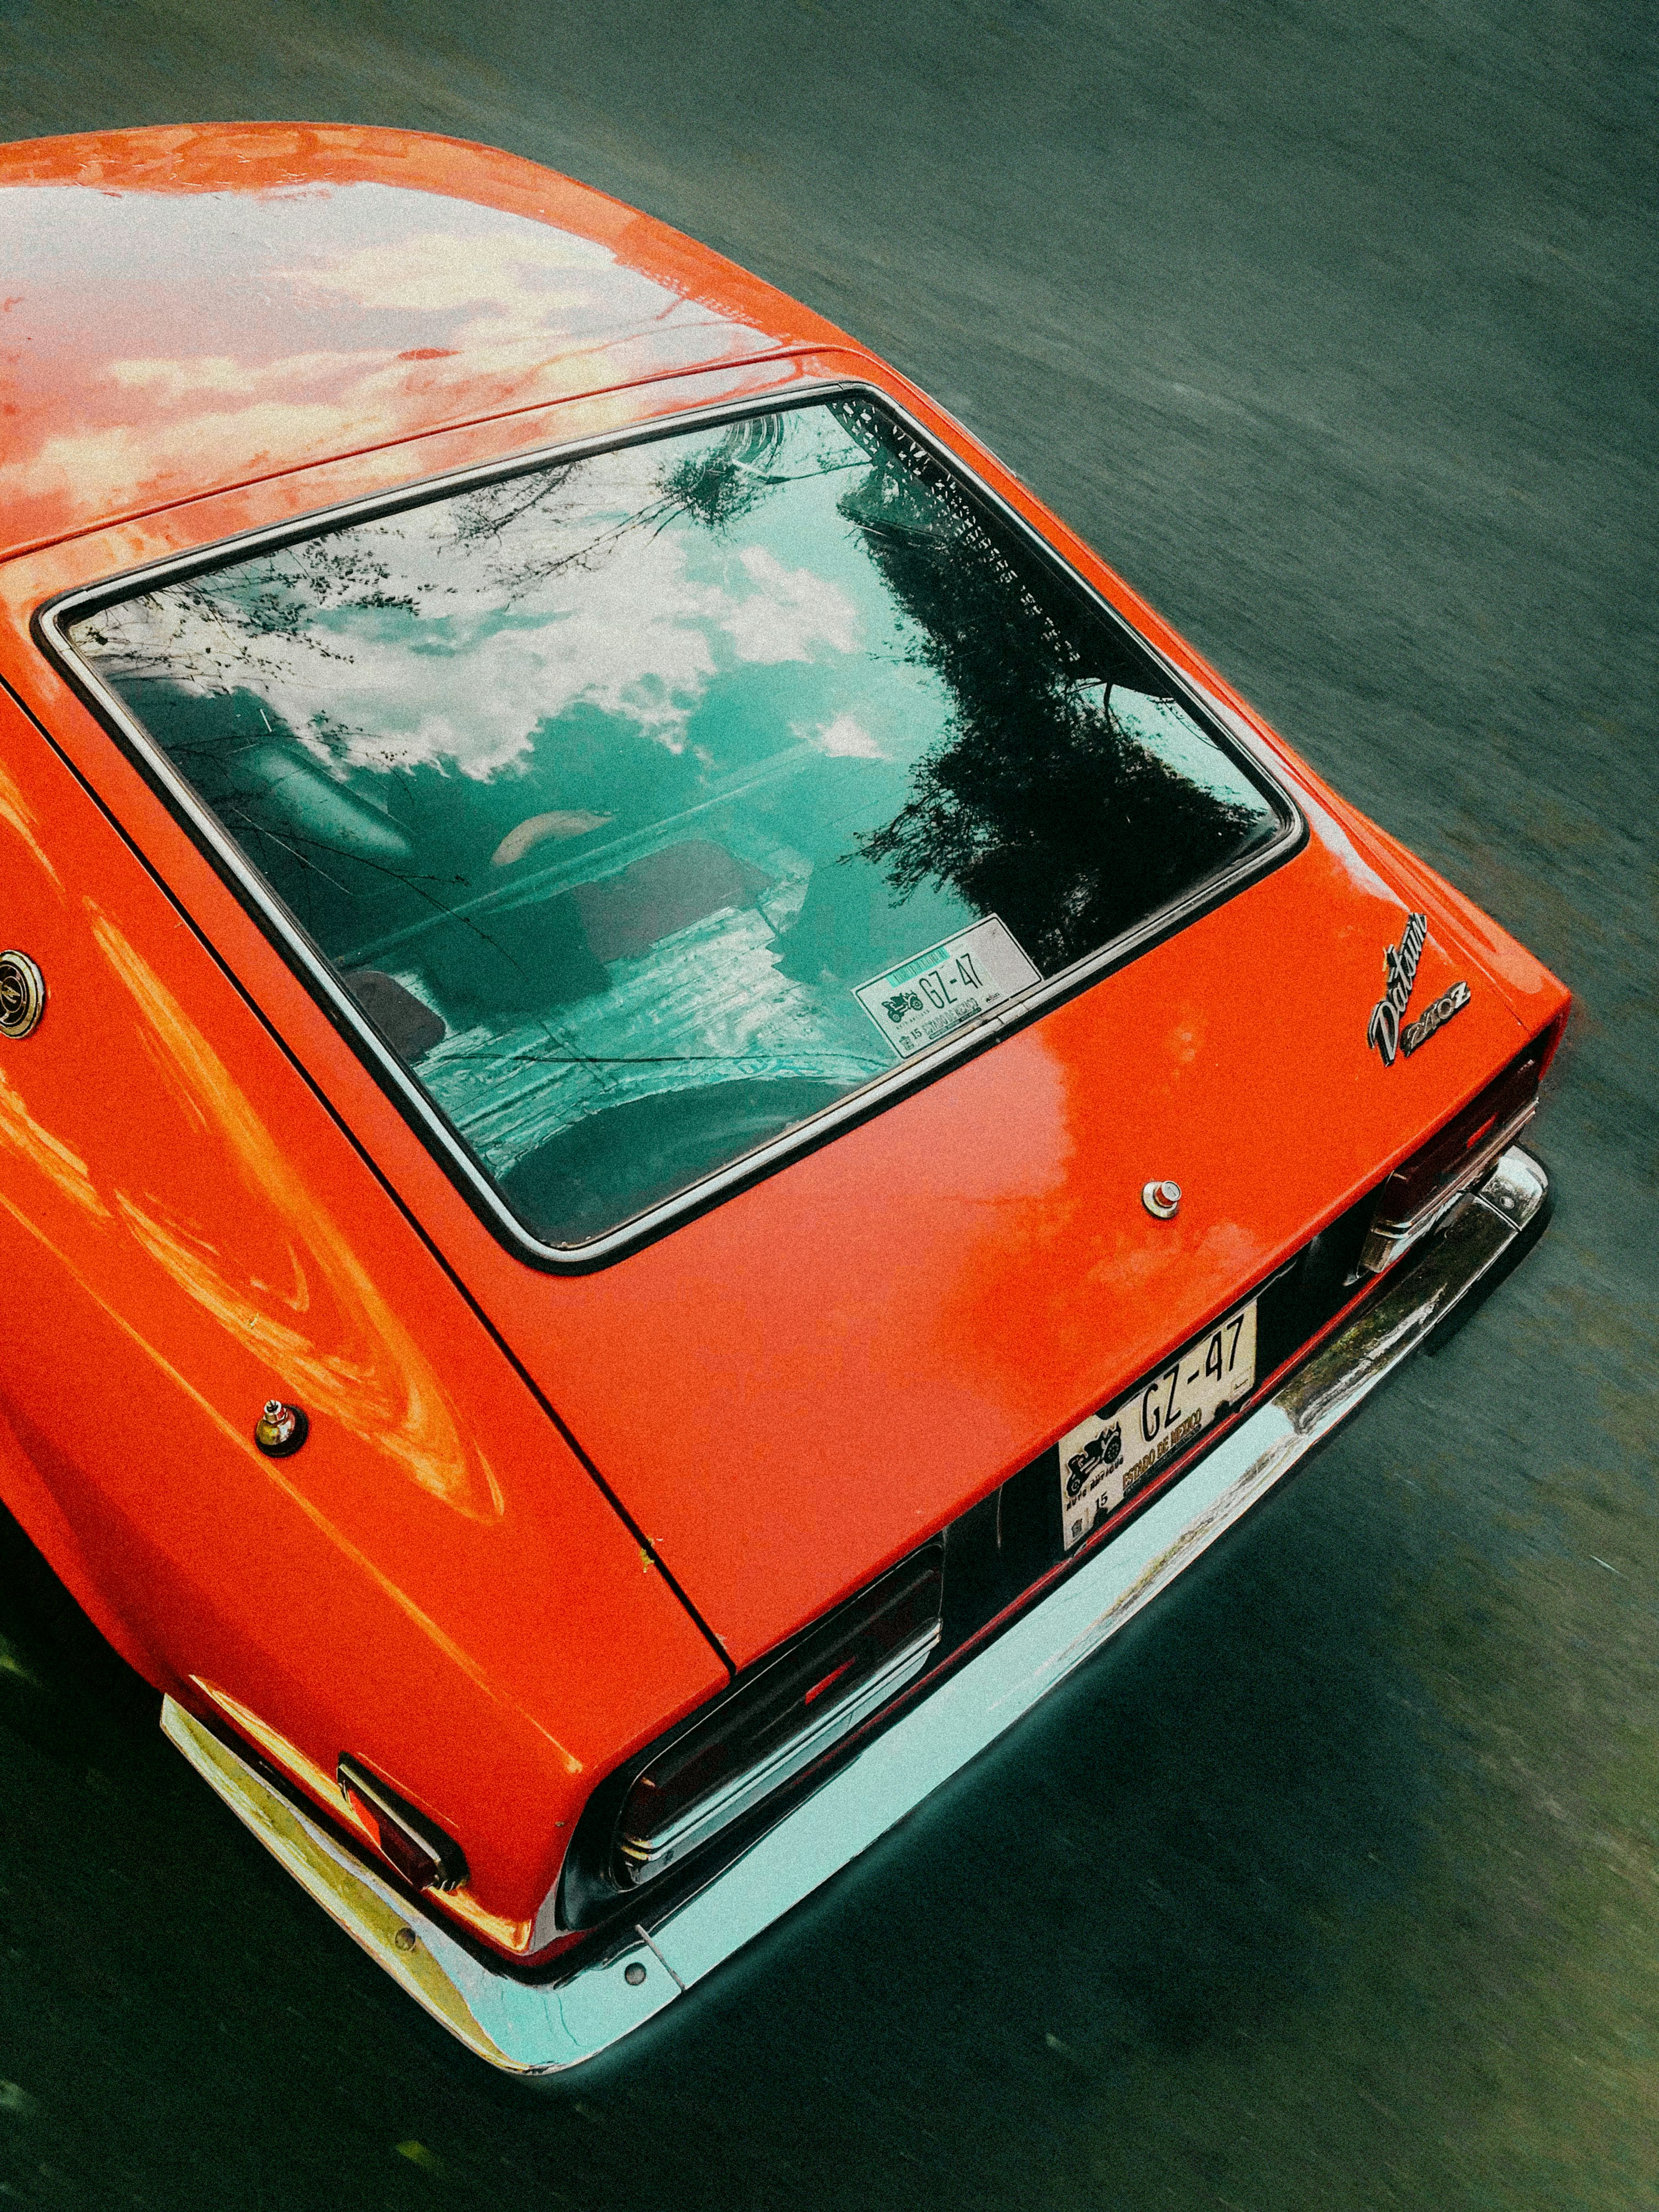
1400, 963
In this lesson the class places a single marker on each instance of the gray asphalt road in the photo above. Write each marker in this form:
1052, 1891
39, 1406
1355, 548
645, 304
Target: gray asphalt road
1334, 1883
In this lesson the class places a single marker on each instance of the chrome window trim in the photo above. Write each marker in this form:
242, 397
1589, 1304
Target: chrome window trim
312, 965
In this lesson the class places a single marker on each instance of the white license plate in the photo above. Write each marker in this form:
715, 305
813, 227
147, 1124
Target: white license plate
1106, 1458
933, 993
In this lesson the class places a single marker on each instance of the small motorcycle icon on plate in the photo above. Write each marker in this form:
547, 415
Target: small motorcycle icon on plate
1100, 1453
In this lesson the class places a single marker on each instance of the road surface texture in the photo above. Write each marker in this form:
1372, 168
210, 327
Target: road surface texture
1334, 1883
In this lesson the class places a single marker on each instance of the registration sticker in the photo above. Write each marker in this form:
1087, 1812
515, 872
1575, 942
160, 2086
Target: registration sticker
1106, 1458
933, 993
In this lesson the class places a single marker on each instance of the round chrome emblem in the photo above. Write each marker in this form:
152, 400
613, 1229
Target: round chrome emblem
1161, 1199
23, 994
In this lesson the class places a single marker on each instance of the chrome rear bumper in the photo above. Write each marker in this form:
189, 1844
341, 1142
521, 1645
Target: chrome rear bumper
531, 2025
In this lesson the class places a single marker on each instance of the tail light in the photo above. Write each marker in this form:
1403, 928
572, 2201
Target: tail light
783, 1718
1415, 1195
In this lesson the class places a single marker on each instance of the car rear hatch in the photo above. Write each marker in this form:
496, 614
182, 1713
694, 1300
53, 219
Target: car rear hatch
805, 920
791, 1391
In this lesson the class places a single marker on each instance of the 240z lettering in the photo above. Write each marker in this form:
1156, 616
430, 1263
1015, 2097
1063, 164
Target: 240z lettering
1448, 1004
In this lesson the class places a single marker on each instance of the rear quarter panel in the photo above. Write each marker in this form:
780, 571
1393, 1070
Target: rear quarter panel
434, 1582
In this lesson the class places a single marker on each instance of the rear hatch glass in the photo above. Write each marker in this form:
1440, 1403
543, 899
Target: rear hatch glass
653, 803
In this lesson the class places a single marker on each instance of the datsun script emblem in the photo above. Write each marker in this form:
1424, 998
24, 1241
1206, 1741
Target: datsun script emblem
1400, 963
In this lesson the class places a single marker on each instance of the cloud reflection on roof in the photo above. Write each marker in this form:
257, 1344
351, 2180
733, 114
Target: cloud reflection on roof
184, 310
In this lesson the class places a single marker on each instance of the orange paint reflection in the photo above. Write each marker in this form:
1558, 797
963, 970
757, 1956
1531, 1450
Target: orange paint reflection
19, 817
49, 1156
181, 315
382, 1390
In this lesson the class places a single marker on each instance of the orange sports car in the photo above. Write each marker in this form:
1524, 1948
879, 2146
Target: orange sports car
681, 1103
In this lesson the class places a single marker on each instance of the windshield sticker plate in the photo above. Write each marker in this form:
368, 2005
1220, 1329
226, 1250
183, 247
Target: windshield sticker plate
1106, 1458
933, 993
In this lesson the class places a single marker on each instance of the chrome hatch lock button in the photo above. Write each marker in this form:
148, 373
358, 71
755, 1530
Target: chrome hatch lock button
1161, 1199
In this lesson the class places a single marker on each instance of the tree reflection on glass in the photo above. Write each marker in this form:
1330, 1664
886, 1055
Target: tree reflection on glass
1039, 805
604, 787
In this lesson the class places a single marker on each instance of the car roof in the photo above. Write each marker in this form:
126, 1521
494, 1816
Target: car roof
190, 308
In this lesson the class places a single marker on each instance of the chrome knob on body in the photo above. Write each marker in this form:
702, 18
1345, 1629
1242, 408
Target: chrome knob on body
279, 1429
23, 994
